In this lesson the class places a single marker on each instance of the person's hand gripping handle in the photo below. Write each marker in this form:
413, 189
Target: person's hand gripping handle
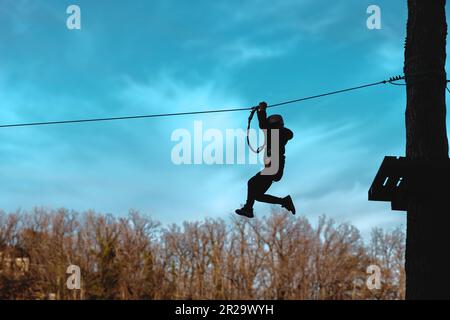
262, 106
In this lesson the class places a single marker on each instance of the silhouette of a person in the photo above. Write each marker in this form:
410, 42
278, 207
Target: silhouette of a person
277, 136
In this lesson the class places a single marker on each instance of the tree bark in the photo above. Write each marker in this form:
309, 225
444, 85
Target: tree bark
428, 221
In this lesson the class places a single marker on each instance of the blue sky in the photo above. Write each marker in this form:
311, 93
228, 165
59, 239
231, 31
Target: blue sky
140, 57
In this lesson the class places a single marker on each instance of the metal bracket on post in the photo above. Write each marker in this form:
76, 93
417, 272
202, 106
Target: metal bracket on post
400, 178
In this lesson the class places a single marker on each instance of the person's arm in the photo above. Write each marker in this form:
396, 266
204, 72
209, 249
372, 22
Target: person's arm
262, 116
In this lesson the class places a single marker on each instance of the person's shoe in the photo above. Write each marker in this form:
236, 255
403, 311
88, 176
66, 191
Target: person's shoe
288, 204
245, 212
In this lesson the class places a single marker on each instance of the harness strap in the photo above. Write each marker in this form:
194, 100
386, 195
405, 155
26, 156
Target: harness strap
261, 148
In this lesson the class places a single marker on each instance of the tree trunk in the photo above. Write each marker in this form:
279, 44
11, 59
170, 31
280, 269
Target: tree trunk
428, 222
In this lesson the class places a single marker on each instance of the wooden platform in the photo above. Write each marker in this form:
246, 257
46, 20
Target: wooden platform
400, 178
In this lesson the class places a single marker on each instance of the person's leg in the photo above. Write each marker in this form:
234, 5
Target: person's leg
251, 191
267, 198
269, 179
285, 202
257, 186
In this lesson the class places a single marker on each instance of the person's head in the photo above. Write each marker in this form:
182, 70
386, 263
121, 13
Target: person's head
275, 121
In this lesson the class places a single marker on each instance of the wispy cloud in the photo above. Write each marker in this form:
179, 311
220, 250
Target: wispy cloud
390, 56
242, 52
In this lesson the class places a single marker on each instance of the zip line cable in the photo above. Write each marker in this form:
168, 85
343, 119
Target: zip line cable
392, 80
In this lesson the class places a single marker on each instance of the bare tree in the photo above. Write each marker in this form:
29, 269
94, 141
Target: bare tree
276, 257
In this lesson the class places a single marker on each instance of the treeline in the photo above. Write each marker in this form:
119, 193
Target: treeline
277, 257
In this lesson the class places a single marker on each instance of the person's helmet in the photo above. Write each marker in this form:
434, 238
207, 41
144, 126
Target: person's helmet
275, 121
